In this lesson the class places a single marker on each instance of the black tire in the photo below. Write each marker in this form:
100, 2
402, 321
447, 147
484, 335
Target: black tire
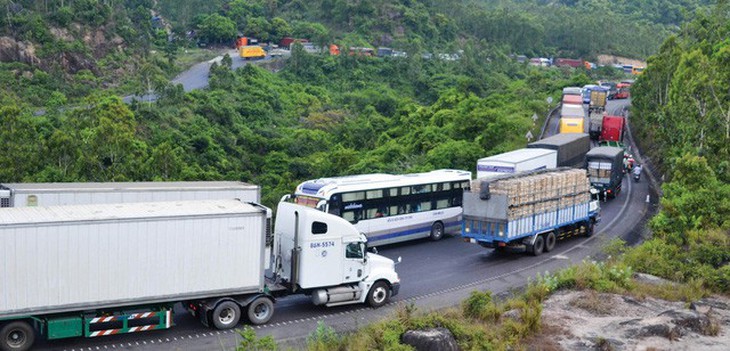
17, 336
226, 315
379, 294
589, 229
550, 240
437, 231
260, 310
538, 246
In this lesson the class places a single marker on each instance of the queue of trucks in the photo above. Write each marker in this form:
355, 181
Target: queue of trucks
64, 233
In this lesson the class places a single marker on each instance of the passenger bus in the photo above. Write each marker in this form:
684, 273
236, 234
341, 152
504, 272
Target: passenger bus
391, 208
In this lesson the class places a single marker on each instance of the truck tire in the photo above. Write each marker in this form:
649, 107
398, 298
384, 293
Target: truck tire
437, 231
550, 240
589, 229
226, 315
378, 294
538, 246
260, 310
17, 336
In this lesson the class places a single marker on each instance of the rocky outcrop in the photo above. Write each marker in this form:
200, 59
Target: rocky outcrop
18, 51
430, 339
636, 323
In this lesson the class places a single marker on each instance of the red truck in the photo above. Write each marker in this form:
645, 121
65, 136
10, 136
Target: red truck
613, 128
567, 62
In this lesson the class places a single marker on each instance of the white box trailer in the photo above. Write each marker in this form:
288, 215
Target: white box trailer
570, 110
516, 161
65, 258
53, 194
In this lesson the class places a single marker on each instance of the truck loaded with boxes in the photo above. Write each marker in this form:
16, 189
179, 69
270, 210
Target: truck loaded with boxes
529, 211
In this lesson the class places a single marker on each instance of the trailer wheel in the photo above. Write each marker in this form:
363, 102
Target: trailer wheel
378, 294
550, 239
16, 336
226, 315
538, 246
260, 310
437, 231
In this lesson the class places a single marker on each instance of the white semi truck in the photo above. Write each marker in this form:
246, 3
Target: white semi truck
53, 194
103, 269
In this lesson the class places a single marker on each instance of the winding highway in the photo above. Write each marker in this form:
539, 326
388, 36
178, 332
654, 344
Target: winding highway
434, 275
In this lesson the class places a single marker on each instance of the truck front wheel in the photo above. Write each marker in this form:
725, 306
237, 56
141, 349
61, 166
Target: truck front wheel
260, 310
379, 294
226, 315
16, 336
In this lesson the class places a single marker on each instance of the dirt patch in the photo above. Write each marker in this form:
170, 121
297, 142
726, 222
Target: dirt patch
618, 60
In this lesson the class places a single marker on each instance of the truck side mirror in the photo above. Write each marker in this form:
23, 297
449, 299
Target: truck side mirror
399, 260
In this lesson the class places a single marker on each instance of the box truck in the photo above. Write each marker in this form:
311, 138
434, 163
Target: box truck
573, 99
53, 194
573, 91
529, 211
516, 161
571, 148
95, 270
605, 166
598, 99
572, 125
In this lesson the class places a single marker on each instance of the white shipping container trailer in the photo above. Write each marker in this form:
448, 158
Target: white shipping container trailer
65, 258
520, 160
53, 194
569, 110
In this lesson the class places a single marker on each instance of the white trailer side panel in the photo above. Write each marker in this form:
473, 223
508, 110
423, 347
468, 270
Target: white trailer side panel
82, 257
55, 194
520, 160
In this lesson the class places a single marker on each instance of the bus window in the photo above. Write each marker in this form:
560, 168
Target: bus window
421, 189
352, 216
374, 194
406, 190
377, 212
442, 203
356, 196
393, 192
394, 210
446, 186
425, 206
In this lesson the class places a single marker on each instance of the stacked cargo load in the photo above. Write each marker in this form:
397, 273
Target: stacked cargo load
524, 205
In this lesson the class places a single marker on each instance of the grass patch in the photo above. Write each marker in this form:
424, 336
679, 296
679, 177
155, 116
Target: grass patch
594, 303
688, 292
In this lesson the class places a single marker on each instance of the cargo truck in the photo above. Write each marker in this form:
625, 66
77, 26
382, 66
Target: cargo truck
571, 148
54, 194
96, 270
605, 166
572, 125
573, 91
613, 128
250, 52
573, 100
595, 124
598, 99
529, 211
516, 161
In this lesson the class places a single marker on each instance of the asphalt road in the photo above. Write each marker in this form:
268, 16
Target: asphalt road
434, 275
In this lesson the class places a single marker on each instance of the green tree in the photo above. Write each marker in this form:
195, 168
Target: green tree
217, 29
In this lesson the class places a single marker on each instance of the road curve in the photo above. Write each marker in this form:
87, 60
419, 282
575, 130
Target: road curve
434, 275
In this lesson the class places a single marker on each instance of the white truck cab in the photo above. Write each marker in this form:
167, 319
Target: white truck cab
323, 255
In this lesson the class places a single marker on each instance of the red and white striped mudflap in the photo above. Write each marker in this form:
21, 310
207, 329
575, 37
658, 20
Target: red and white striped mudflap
103, 319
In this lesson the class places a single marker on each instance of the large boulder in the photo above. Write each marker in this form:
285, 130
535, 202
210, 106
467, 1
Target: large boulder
430, 339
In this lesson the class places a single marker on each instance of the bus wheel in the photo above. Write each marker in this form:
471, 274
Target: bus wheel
437, 231
16, 336
550, 239
538, 246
